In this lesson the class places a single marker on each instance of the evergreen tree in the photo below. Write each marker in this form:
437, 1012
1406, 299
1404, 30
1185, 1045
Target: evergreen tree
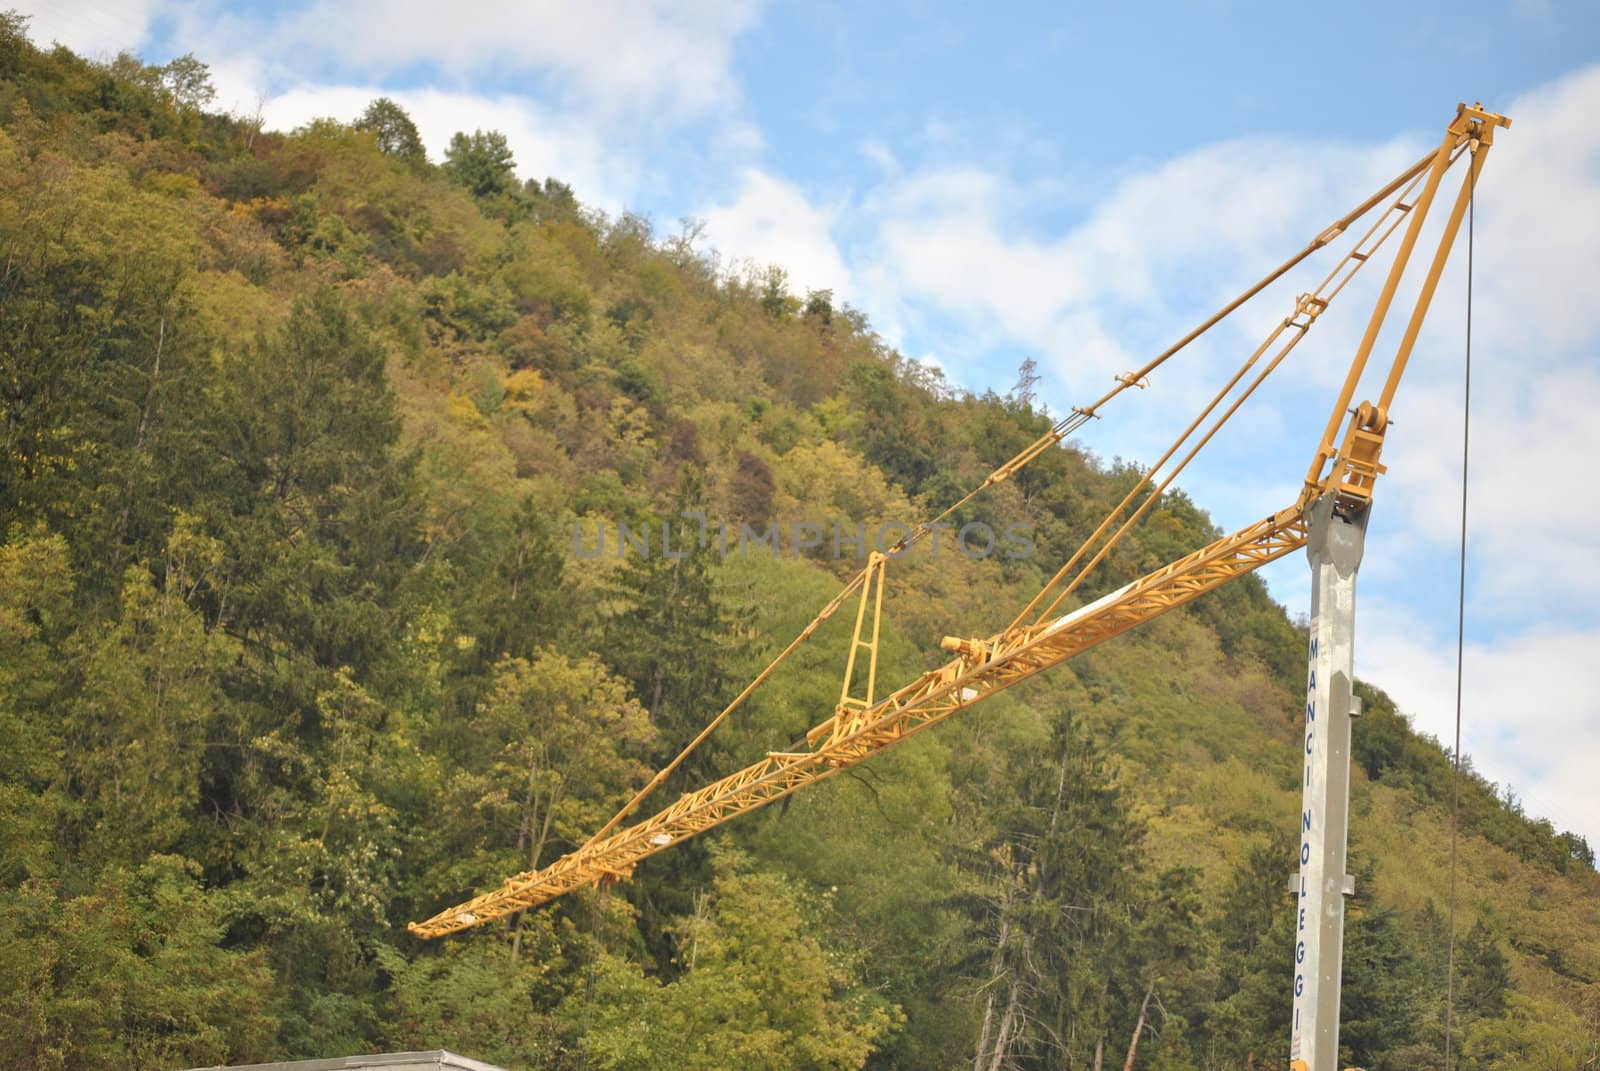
669, 637
482, 162
1485, 974
1059, 919
1255, 932
311, 498
526, 601
1382, 996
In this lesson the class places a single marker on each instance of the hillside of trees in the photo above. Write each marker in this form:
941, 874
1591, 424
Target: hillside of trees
305, 444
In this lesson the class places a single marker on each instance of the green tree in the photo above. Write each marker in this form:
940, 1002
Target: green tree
1382, 995
525, 600
1058, 921
556, 749
893, 431
133, 972
312, 856
103, 379
669, 636
758, 989
1169, 950
469, 997
188, 82
1255, 929
1533, 1032
776, 301
135, 732
481, 162
36, 620
312, 499
1485, 974
397, 135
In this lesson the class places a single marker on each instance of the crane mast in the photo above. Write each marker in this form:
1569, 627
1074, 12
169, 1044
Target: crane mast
1337, 508
1328, 519
1334, 547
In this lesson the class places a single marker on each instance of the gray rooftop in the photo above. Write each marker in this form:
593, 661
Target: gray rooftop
438, 1059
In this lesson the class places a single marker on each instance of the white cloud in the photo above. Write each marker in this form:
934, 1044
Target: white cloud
633, 56
586, 95
770, 221
646, 62
1534, 526
1539, 221
955, 253
583, 96
1163, 249
1536, 383
89, 29
1528, 711
542, 142
880, 156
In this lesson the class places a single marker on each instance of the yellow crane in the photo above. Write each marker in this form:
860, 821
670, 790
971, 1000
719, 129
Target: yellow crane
1329, 514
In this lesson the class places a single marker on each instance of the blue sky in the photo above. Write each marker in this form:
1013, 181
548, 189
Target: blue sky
1080, 186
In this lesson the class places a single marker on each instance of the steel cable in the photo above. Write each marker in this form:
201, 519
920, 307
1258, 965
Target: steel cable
1461, 628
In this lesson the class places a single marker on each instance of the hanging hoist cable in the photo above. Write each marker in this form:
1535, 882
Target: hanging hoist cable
1461, 627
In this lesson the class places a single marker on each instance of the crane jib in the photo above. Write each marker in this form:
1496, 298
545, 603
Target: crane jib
1329, 517
996, 663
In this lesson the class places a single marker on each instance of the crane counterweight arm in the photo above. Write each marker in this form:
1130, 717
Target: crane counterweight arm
982, 668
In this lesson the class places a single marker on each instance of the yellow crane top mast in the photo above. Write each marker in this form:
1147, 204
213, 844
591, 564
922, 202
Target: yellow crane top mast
1329, 514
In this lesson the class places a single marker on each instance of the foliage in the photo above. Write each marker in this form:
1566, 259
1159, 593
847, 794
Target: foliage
757, 990
482, 162
396, 133
668, 621
131, 970
296, 646
1063, 853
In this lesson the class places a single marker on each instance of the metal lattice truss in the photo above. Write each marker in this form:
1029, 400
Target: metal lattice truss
982, 668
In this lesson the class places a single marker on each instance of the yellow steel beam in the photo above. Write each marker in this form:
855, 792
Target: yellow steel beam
1443, 156
1355, 465
1482, 137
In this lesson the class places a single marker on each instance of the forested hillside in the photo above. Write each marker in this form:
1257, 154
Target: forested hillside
297, 644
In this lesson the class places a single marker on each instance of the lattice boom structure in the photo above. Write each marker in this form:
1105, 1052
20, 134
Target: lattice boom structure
982, 668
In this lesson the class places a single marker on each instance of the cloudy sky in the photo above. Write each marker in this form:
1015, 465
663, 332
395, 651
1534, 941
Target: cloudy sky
1080, 188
